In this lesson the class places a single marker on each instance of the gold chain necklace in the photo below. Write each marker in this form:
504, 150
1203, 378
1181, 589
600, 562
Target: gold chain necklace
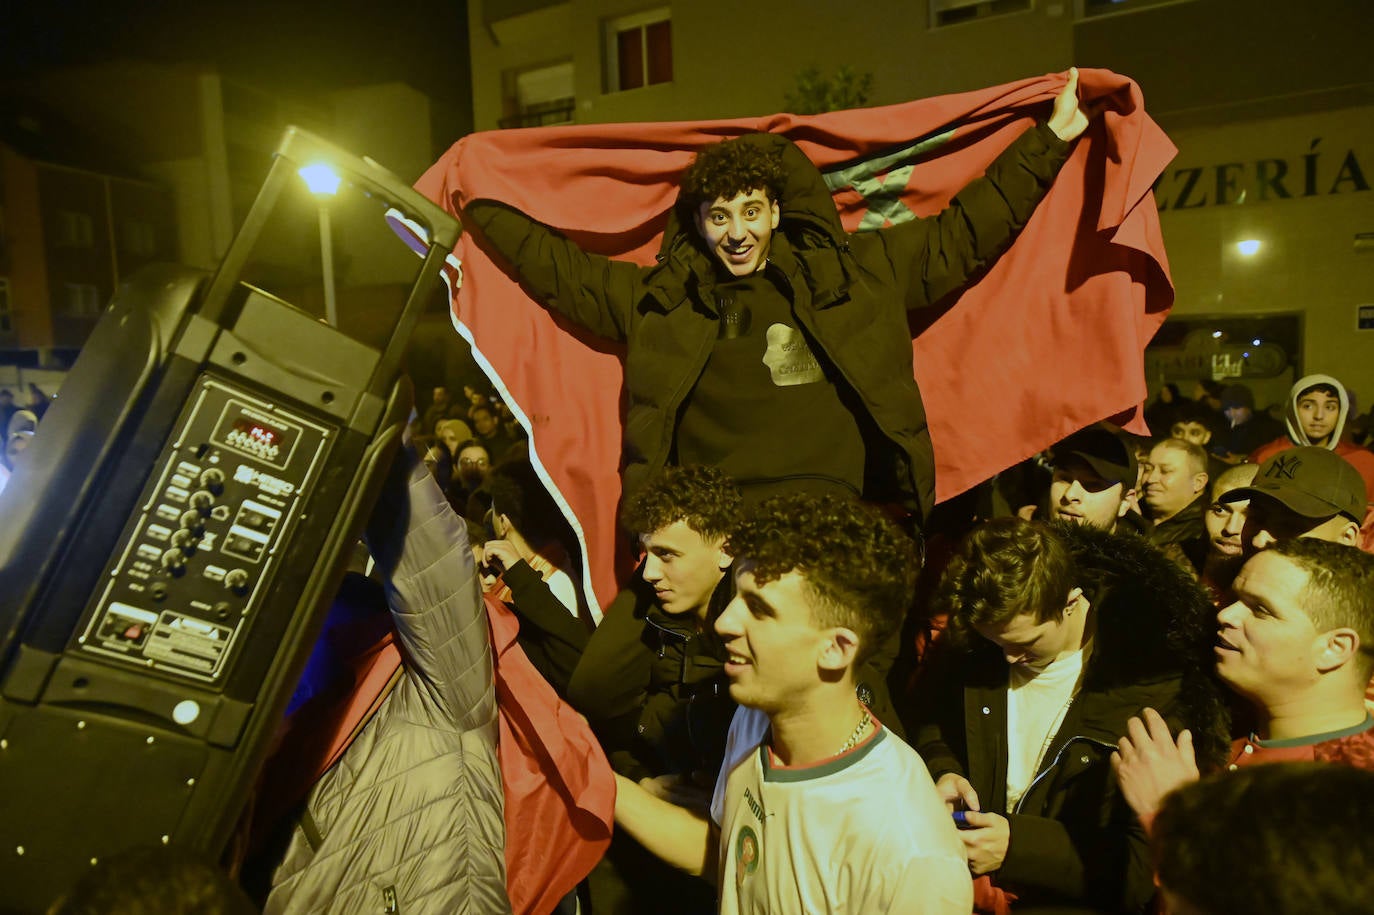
854, 738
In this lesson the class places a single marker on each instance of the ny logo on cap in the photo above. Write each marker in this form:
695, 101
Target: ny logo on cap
1284, 468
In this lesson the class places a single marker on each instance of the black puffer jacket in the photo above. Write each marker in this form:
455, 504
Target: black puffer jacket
849, 292
1075, 844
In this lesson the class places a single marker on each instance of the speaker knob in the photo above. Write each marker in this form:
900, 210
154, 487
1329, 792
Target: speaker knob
174, 561
213, 480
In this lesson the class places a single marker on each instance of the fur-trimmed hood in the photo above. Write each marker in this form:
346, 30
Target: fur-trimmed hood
1153, 620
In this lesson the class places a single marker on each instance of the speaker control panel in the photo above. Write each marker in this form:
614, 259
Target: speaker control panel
190, 569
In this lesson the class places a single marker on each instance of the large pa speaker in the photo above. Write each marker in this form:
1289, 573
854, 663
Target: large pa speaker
170, 542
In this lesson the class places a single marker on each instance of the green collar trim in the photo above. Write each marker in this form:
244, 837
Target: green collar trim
1315, 738
823, 768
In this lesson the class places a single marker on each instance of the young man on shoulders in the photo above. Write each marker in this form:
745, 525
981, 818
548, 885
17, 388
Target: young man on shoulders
767, 340
804, 815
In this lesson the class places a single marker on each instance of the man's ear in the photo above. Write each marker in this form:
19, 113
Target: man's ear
724, 560
1338, 647
1350, 534
1199, 482
1130, 501
839, 650
777, 213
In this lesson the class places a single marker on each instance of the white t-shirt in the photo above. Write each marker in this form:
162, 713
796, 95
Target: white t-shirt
1036, 705
860, 832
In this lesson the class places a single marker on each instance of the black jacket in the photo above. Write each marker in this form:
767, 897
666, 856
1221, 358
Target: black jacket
653, 687
850, 293
551, 637
1075, 844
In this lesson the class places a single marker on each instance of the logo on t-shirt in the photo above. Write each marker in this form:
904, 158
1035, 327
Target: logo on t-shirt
789, 359
746, 854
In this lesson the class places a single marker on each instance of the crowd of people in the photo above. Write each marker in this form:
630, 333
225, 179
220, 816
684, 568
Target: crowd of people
18, 425
816, 692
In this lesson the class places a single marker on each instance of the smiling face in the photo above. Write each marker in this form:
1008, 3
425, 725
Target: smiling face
1170, 483
773, 644
1317, 415
1079, 494
1267, 645
683, 568
739, 231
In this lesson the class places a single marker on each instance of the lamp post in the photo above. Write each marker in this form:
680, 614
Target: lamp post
323, 182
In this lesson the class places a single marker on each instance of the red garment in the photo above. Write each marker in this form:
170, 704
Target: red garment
559, 788
560, 792
1352, 747
1057, 328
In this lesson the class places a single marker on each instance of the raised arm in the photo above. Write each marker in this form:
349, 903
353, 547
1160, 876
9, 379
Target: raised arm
942, 253
421, 548
596, 292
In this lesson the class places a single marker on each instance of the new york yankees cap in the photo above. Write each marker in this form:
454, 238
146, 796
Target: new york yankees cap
1313, 482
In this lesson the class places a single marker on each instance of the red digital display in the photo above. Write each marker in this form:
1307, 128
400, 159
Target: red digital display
257, 432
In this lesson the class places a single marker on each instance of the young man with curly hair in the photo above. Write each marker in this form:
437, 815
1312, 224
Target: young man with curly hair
650, 679
818, 808
1059, 634
767, 340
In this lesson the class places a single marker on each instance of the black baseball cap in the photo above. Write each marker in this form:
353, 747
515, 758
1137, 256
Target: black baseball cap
1104, 450
1312, 482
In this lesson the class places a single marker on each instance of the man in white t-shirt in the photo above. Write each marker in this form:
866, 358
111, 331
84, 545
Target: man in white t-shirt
818, 808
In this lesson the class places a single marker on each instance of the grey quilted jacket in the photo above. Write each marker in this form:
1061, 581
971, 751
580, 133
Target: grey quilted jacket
410, 819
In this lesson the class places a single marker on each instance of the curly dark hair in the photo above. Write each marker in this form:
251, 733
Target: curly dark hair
859, 567
1005, 568
517, 492
702, 497
733, 167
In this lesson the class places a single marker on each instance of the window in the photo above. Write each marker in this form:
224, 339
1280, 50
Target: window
639, 50
83, 300
74, 230
6, 311
140, 237
543, 95
1090, 8
950, 12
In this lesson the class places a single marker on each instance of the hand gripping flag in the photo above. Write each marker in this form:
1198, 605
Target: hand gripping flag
1050, 340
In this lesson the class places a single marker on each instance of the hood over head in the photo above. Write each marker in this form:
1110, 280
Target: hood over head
1291, 414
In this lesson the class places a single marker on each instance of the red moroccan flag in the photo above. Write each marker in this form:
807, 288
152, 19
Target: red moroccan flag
1049, 341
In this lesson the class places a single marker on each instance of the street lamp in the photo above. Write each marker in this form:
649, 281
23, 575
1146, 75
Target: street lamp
323, 182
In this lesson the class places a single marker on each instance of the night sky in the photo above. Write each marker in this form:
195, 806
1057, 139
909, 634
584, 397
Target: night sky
296, 46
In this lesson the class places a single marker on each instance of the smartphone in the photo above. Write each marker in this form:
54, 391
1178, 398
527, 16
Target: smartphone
961, 820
